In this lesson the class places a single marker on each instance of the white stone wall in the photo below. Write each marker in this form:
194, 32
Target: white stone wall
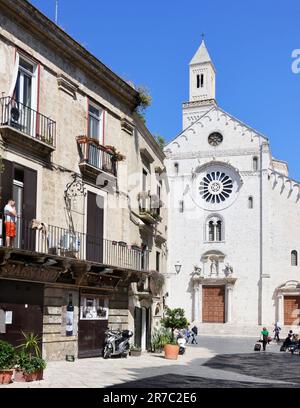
242, 225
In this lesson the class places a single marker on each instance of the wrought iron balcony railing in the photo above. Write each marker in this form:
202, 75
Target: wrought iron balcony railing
97, 156
53, 240
24, 119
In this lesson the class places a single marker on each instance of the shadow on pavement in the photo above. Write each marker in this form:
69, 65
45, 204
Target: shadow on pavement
271, 366
262, 366
184, 381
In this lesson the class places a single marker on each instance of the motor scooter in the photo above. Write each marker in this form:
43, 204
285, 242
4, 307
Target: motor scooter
116, 343
181, 341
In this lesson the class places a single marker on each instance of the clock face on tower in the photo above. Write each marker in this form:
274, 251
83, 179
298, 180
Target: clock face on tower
214, 139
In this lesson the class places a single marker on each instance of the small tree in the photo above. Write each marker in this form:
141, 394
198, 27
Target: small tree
161, 141
145, 101
174, 319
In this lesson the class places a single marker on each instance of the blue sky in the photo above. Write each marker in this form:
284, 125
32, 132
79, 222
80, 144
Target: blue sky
151, 44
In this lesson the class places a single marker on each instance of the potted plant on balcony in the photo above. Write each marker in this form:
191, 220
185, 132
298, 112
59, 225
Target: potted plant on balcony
116, 155
7, 362
173, 320
122, 244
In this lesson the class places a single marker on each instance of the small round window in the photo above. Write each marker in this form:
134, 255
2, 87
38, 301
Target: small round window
214, 139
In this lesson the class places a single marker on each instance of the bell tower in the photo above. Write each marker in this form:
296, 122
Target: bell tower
202, 91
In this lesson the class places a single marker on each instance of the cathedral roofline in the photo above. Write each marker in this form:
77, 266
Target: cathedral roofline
224, 112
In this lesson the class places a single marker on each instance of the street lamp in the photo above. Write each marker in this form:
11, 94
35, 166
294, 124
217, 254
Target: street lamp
178, 267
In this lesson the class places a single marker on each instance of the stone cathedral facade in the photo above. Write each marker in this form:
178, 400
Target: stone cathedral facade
234, 218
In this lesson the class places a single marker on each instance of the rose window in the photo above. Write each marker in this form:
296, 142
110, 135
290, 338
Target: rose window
216, 187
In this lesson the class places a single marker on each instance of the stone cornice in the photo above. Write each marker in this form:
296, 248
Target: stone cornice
196, 104
30, 18
208, 154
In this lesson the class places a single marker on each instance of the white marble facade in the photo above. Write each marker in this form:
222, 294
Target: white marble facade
234, 214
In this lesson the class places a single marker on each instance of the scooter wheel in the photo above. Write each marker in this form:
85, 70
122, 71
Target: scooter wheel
106, 353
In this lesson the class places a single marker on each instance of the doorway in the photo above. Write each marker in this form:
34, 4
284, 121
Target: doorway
213, 307
93, 321
95, 219
142, 328
22, 303
291, 310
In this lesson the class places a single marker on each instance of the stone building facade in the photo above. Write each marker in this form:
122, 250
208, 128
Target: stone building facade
80, 162
234, 218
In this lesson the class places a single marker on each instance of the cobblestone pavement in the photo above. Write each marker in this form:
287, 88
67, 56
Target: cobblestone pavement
214, 362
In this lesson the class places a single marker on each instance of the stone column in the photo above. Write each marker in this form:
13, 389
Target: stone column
229, 289
280, 316
197, 301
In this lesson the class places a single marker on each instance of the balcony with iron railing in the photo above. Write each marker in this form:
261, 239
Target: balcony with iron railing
25, 128
62, 242
95, 158
149, 207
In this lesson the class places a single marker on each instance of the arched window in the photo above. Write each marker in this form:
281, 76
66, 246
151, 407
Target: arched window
214, 228
219, 231
250, 202
255, 163
211, 231
294, 258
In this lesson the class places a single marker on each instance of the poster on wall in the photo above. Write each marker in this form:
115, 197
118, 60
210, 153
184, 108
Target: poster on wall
93, 308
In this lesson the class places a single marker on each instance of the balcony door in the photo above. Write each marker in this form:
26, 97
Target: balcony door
26, 98
20, 183
95, 131
94, 236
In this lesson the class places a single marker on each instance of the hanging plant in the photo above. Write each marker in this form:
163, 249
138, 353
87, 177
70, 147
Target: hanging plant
157, 281
116, 155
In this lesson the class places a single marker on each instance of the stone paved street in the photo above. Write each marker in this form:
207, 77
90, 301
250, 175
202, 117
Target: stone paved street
214, 362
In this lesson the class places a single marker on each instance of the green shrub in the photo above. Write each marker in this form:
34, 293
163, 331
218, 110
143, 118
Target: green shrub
174, 319
7, 356
29, 364
159, 338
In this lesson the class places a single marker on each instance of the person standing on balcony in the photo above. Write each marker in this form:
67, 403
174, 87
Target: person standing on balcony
10, 219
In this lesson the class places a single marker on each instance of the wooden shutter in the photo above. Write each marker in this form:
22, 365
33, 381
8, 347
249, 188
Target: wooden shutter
6, 179
95, 216
138, 326
148, 328
6, 183
29, 208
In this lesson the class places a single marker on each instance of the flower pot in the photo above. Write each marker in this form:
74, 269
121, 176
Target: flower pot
40, 375
135, 353
171, 351
6, 376
31, 376
19, 376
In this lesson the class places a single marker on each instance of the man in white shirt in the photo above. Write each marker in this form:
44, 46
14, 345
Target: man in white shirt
10, 219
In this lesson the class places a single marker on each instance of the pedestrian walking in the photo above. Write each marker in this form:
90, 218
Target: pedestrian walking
276, 331
265, 335
194, 334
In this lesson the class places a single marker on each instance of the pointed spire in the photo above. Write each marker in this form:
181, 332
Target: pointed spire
201, 55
